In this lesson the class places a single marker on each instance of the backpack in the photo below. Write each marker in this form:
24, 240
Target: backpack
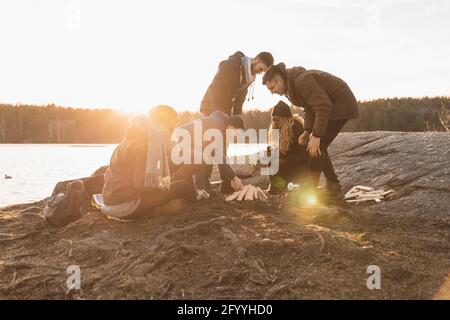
68, 203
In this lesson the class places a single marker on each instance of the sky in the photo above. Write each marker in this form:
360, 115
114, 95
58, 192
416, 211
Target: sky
132, 55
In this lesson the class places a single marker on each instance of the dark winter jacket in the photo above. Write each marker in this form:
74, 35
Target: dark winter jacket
295, 148
228, 90
296, 157
323, 96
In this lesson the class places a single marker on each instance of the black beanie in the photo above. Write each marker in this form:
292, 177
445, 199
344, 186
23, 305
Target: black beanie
236, 121
281, 109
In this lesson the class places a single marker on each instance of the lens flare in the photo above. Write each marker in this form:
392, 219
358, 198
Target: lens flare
311, 200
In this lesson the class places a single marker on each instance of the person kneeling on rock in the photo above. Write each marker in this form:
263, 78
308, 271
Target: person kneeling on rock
293, 161
141, 180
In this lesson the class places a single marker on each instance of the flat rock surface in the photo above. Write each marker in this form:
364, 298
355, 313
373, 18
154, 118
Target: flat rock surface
281, 249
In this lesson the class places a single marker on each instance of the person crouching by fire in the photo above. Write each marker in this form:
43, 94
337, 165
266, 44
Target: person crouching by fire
294, 160
191, 141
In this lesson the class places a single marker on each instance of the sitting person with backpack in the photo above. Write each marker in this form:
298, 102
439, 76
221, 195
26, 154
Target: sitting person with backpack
293, 158
140, 180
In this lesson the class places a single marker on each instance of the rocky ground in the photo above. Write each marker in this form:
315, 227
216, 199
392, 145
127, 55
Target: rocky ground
255, 250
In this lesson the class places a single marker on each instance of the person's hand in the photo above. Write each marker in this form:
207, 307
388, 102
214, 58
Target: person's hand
202, 194
314, 147
236, 183
303, 138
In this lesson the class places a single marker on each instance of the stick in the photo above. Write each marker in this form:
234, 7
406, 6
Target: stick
261, 194
233, 196
370, 196
353, 195
352, 190
364, 188
359, 200
250, 193
243, 192
378, 192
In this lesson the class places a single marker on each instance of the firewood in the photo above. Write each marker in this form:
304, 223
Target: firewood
243, 192
370, 196
364, 188
353, 195
358, 200
261, 194
250, 192
255, 191
234, 196
352, 191
359, 194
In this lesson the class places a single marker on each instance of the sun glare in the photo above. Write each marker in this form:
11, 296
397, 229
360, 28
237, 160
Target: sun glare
311, 200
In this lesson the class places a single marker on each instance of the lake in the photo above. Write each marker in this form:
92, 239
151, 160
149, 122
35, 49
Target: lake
36, 168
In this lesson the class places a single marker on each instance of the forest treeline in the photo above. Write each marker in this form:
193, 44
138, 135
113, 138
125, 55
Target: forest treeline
53, 124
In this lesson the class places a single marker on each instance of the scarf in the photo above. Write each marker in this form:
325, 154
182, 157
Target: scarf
247, 64
157, 173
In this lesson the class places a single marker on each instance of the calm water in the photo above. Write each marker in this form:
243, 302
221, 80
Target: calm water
36, 168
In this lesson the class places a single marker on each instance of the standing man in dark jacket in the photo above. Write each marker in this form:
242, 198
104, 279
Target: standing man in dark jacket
328, 103
230, 85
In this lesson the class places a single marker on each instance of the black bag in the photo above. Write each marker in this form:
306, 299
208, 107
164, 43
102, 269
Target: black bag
67, 203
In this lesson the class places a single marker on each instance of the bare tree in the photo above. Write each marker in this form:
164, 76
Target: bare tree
444, 117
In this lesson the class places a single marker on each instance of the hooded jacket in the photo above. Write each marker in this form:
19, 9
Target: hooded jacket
296, 158
228, 89
323, 96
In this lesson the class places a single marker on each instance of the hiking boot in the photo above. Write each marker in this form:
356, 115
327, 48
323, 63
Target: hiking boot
334, 189
225, 187
311, 182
